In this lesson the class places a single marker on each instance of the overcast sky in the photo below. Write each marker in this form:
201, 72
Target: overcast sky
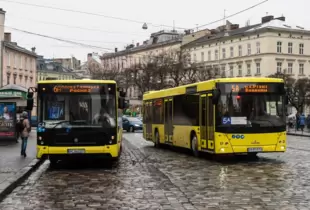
110, 33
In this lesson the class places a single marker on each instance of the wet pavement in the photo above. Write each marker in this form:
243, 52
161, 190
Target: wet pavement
10, 159
150, 178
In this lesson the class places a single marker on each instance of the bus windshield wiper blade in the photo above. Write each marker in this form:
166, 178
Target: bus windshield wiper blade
58, 123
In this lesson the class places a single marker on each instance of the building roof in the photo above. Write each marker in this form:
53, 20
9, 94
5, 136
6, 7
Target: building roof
44, 64
14, 46
141, 47
275, 24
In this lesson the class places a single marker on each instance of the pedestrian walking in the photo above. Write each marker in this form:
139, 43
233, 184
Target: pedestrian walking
25, 130
302, 121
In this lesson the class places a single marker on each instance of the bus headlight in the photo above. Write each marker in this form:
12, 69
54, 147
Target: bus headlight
40, 137
42, 142
222, 150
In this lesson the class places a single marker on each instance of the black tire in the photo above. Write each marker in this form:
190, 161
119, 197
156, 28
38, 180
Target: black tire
194, 146
156, 140
131, 129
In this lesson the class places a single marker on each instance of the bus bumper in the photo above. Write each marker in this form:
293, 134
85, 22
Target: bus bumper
111, 151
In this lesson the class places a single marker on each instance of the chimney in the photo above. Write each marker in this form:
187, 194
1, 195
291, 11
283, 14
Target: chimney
116, 49
138, 44
7, 37
281, 18
2, 19
33, 49
267, 18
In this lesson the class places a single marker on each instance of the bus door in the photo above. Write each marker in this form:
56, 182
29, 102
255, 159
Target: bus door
210, 123
168, 120
203, 121
148, 124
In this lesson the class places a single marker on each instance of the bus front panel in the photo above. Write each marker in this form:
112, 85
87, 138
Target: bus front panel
77, 118
250, 117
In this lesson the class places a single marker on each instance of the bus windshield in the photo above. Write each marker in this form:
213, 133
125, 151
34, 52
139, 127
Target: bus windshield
255, 110
259, 111
74, 109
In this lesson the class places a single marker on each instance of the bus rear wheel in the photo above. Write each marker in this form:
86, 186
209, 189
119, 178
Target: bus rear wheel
194, 146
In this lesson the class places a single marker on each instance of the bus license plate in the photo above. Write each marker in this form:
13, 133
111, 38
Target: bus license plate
76, 151
256, 149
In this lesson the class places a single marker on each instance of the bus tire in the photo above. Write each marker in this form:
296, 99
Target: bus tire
194, 145
157, 141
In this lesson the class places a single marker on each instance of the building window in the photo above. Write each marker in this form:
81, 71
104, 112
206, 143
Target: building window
195, 58
26, 61
202, 56
240, 50
231, 51
26, 80
21, 62
20, 78
301, 69
224, 53
223, 71
279, 67
14, 78
15, 61
231, 70
290, 68
249, 49
216, 55
279, 47
240, 70
301, 49
290, 48
209, 55
257, 68
257, 47
9, 59
248, 66
8, 77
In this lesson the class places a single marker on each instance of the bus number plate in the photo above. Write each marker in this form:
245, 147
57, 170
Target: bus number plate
256, 149
76, 151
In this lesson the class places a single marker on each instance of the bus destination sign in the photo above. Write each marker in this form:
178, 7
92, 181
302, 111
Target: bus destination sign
76, 89
252, 87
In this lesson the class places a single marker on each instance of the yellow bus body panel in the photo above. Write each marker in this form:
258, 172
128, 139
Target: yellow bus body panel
269, 142
113, 150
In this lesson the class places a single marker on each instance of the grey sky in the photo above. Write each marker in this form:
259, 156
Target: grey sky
185, 13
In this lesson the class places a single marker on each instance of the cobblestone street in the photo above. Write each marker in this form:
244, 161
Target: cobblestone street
150, 178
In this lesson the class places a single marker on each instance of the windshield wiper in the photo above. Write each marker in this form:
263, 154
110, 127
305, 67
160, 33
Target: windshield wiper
58, 123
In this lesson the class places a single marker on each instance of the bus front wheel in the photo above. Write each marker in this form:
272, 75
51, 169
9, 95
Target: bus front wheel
194, 146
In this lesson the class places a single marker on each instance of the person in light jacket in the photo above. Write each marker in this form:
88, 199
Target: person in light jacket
25, 133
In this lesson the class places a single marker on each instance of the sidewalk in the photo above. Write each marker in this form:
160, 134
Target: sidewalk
294, 132
14, 168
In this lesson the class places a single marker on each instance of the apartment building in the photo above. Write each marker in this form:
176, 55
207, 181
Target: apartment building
254, 50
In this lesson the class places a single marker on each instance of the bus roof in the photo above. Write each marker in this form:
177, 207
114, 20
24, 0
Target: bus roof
79, 81
205, 85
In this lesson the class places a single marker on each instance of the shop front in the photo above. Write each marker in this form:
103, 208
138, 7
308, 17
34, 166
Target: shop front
13, 101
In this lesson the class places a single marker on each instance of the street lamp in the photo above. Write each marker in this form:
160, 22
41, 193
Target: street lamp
144, 26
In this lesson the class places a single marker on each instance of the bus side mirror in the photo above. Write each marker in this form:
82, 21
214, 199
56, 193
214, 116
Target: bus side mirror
29, 101
216, 93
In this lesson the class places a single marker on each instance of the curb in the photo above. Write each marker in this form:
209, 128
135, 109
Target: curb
296, 134
11, 183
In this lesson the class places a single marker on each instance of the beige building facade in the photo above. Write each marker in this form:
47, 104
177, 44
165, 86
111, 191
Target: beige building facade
256, 50
160, 42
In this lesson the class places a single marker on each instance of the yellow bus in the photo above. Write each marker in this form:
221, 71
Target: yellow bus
78, 118
219, 116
